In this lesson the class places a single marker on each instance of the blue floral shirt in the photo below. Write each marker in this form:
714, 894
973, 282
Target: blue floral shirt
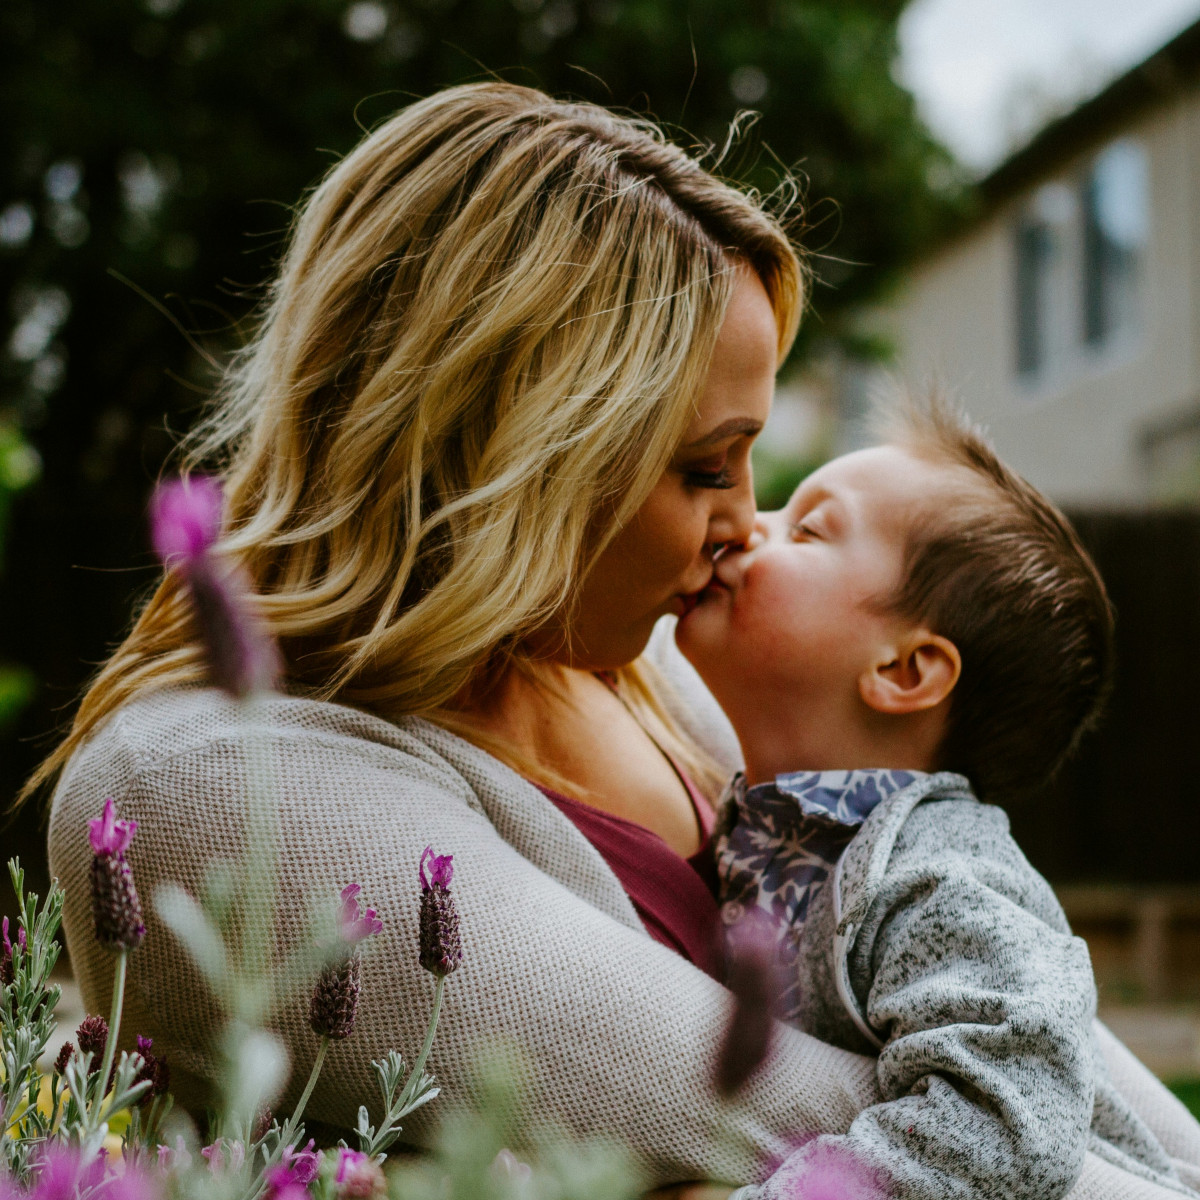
778, 843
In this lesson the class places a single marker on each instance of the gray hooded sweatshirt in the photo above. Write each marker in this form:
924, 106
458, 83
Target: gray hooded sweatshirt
930, 941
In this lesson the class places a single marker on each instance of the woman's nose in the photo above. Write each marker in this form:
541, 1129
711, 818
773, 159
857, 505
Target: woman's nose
733, 522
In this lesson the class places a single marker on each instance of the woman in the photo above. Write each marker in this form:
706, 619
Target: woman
495, 422
494, 425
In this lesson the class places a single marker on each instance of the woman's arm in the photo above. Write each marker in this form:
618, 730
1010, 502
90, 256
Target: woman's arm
617, 1032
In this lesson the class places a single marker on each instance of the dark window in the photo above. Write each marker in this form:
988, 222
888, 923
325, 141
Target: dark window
1033, 260
1114, 231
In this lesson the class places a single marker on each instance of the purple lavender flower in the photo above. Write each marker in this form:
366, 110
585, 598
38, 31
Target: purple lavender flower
107, 834
64, 1056
823, 1171
291, 1177
185, 519
334, 1002
8, 970
116, 909
353, 925
154, 1070
61, 1172
440, 943
750, 970
176, 1157
441, 869
358, 1176
304, 1164
92, 1038
223, 1155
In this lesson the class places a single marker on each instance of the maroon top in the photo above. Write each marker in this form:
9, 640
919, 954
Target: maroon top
674, 896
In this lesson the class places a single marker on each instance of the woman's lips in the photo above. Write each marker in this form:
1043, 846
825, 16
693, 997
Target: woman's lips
691, 600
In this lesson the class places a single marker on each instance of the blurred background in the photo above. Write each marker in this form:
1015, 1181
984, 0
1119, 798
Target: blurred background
1001, 199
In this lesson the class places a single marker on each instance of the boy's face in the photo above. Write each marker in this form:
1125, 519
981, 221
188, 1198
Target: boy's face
795, 617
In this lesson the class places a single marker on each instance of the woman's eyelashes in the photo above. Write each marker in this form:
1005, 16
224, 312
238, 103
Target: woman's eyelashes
710, 479
713, 473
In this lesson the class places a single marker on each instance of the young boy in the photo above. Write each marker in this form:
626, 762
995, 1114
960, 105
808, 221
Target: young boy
920, 610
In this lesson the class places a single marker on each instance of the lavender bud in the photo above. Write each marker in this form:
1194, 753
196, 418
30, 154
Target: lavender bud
7, 973
441, 946
335, 999
92, 1038
64, 1057
116, 909
240, 660
154, 1070
185, 524
262, 1124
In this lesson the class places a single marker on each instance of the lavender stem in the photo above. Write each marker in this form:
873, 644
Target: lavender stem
414, 1079
294, 1119
114, 1026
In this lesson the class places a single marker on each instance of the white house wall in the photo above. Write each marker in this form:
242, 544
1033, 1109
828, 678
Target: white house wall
1078, 434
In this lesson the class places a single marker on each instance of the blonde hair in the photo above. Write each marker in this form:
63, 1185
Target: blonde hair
489, 326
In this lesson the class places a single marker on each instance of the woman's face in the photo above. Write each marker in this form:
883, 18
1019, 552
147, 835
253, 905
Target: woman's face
662, 560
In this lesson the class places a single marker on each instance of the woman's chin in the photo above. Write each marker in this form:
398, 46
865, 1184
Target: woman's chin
701, 630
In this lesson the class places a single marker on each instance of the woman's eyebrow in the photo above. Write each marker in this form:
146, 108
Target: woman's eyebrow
734, 426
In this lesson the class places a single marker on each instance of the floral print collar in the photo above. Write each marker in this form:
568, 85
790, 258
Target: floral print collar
777, 844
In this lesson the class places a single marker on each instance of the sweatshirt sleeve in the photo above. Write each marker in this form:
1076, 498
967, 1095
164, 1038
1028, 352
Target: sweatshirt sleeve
964, 967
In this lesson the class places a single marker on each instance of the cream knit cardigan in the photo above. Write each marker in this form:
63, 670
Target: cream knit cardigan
619, 1032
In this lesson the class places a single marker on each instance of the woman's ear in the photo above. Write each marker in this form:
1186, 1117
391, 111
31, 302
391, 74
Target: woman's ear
913, 676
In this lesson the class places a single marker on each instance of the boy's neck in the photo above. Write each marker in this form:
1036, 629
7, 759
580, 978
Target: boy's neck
772, 749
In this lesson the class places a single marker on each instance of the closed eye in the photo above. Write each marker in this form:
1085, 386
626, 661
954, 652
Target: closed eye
801, 529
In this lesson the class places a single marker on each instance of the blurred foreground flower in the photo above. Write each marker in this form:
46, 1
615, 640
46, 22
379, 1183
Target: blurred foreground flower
289, 1179
358, 1176
751, 973
185, 519
116, 909
822, 1170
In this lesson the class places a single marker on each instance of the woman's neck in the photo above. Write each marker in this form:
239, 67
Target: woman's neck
526, 706
570, 729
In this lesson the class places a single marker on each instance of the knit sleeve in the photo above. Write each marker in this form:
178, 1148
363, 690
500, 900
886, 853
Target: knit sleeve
618, 1033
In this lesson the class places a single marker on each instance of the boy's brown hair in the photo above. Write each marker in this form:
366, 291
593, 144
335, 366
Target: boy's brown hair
1003, 575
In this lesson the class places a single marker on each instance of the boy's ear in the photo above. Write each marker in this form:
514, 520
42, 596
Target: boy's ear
912, 676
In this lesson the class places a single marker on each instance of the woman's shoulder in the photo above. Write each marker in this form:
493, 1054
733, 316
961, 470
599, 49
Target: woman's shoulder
180, 740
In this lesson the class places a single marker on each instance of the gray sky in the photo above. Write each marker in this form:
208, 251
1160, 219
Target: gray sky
987, 73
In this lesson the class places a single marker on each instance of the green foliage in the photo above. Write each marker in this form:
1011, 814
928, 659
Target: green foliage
777, 477
471, 1159
16, 690
154, 150
1188, 1090
20, 466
